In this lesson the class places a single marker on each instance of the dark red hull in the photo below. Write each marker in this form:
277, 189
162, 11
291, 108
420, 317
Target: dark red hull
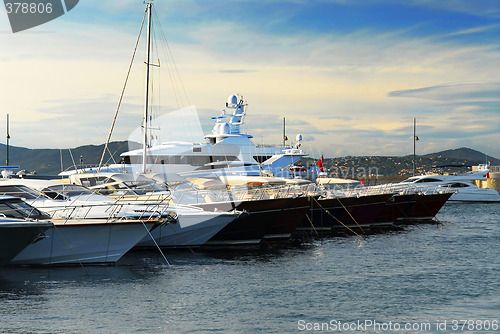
397, 206
252, 225
342, 214
289, 219
426, 207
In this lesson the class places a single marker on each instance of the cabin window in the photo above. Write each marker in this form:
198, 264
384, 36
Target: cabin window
19, 191
428, 180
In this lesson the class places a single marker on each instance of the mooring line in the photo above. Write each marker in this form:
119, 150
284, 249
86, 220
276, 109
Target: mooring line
347, 227
350, 215
157, 246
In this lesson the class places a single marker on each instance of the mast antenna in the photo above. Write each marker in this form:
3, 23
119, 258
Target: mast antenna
8, 139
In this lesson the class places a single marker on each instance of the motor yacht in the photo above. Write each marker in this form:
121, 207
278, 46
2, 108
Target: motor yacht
226, 151
86, 230
461, 184
20, 226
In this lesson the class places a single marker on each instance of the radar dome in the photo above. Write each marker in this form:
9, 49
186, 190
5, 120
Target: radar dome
232, 99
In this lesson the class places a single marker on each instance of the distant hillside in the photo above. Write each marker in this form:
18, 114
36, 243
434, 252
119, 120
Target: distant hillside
48, 161
465, 154
363, 166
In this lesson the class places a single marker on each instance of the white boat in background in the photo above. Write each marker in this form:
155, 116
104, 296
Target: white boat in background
460, 183
226, 150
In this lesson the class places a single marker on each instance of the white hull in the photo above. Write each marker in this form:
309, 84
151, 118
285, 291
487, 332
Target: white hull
84, 243
16, 235
190, 230
478, 195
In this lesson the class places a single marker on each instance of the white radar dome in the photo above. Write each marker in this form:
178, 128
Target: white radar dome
232, 99
299, 137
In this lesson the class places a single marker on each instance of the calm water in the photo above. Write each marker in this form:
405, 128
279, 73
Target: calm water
426, 275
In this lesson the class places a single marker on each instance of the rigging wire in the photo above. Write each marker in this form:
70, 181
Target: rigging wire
179, 89
121, 96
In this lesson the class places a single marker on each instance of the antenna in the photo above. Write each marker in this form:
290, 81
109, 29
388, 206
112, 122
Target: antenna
8, 139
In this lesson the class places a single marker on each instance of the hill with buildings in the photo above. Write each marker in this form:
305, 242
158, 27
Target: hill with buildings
53, 161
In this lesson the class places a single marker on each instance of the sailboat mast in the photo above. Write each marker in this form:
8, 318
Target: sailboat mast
145, 124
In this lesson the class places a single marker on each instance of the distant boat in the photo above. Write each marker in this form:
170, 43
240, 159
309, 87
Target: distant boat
459, 183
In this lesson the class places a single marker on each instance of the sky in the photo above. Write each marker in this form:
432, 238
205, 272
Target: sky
350, 76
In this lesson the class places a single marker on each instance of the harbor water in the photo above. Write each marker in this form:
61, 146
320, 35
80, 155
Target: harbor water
426, 278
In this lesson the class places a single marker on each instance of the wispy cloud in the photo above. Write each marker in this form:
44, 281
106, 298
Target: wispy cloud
475, 30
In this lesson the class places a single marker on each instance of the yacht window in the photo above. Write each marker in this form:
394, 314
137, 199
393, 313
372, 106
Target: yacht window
20, 209
20, 191
428, 180
54, 194
458, 185
92, 181
7, 211
64, 190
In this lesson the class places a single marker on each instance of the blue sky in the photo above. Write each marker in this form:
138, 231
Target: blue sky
350, 76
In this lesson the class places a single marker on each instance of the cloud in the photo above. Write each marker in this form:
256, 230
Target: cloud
460, 92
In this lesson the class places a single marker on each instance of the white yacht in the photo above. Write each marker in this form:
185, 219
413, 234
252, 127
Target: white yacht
191, 226
460, 183
226, 151
66, 201
86, 230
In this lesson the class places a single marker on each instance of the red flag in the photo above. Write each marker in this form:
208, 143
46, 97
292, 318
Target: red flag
320, 164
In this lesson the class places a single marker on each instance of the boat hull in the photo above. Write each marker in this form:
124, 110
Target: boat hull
425, 208
16, 235
332, 215
251, 226
189, 230
397, 206
98, 242
289, 219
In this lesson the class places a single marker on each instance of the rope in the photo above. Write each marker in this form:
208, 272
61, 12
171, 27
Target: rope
312, 225
156, 244
341, 223
350, 215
